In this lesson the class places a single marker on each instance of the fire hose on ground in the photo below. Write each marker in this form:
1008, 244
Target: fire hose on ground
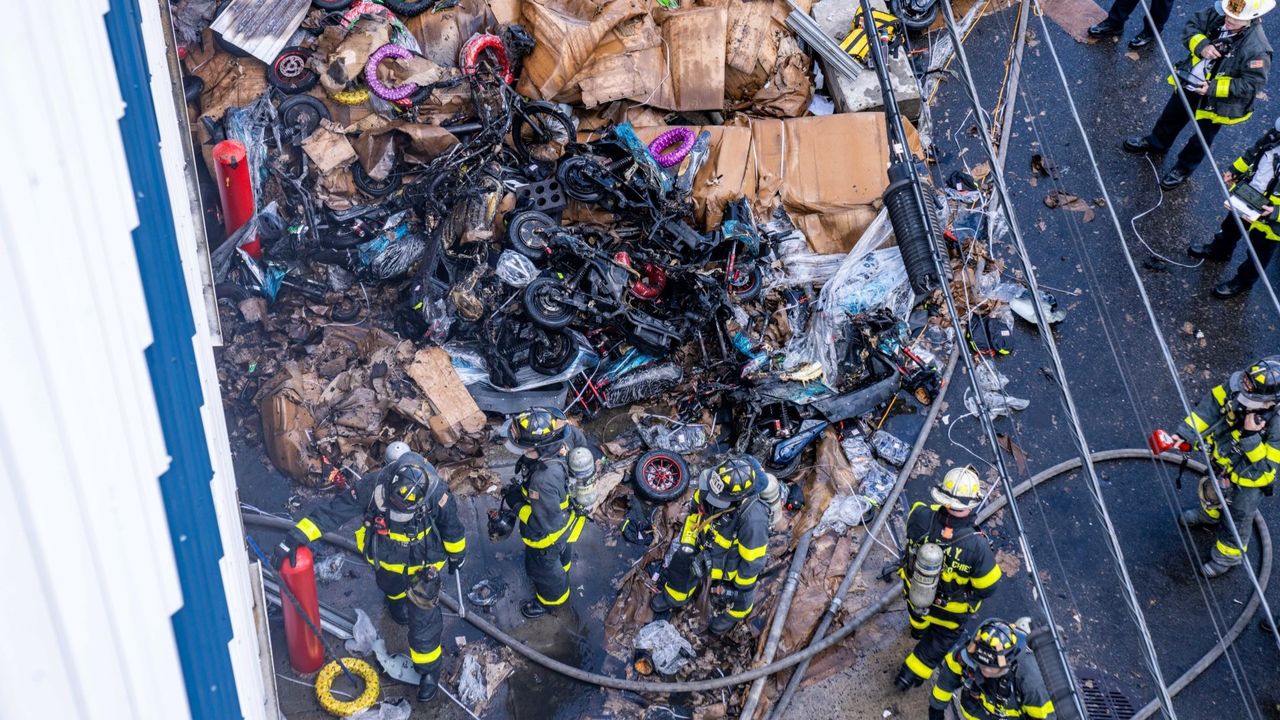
861, 618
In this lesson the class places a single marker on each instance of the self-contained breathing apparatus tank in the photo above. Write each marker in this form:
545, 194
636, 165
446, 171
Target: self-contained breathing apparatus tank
582, 476
924, 576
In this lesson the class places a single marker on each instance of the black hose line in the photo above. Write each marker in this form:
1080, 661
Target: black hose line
863, 616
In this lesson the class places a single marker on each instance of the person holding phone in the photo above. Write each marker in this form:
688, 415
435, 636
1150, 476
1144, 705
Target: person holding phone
1228, 66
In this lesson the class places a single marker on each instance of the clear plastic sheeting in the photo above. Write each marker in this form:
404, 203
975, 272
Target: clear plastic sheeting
858, 452
249, 125
472, 368
992, 383
472, 688
515, 269
889, 448
844, 512
871, 281
877, 485
667, 648
363, 635
800, 266
663, 433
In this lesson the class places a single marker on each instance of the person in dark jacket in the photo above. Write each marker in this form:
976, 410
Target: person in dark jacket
724, 538
1227, 67
996, 675
968, 575
1257, 171
1120, 11
550, 522
410, 530
1236, 422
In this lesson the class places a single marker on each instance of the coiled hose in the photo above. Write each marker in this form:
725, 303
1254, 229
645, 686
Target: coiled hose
863, 616
918, 237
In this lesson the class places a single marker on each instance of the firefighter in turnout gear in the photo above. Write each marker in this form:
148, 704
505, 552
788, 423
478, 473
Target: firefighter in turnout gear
1227, 67
724, 540
1236, 422
410, 530
995, 674
968, 572
550, 522
1255, 175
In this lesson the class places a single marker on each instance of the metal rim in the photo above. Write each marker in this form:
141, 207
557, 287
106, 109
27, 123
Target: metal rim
291, 65
661, 473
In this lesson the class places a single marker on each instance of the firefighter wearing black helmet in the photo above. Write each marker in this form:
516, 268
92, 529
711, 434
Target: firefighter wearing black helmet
1236, 423
410, 530
996, 676
724, 540
549, 521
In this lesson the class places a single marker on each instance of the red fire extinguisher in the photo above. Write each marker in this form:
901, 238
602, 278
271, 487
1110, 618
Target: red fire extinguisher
306, 652
235, 189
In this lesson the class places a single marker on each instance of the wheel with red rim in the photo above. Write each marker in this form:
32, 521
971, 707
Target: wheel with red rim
660, 476
746, 284
291, 72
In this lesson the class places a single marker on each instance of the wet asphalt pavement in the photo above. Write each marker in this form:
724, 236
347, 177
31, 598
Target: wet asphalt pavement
1114, 367
1119, 379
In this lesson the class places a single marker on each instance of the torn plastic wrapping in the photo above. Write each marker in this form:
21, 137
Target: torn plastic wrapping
472, 368
844, 512
471, 684
663, 433
363, 634
801, 266
863, 283
697, 158
515, 269
399, 709
992, 383
266, 222
889, 448
393, 253
668, 650
249, 125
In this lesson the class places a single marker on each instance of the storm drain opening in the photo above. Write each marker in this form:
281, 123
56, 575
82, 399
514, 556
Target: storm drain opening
1106, 699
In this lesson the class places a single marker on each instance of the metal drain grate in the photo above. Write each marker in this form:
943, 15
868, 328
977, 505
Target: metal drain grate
1105, 699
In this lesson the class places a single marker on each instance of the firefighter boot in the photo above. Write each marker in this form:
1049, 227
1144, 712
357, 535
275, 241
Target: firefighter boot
661, 606
533, 609
1214, 567
1193, 518
907, 679
428, 685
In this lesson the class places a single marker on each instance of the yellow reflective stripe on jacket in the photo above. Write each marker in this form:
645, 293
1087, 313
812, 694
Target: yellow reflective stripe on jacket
1196, 423
1195, 42
987, 580
942, 695
580, 523
952, 664
750, 554
551, 538
1240, 165
744, 582
721, 540
717, 573
1222, 86
401, 537
453, 548
1039, 711
1257, 453
309, 528
402, 569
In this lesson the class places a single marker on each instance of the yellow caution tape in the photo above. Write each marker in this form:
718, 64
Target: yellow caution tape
345, 708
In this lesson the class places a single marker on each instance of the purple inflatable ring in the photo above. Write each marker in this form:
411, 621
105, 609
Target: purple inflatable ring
661, 147
377, 86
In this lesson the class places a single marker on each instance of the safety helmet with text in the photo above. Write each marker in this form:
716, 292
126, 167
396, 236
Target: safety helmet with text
729, 482
959, 490
994, 645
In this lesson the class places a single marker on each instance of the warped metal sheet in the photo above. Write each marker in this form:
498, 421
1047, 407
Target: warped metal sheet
261, 28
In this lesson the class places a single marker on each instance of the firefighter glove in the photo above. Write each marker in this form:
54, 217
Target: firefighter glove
455, 562
286, 550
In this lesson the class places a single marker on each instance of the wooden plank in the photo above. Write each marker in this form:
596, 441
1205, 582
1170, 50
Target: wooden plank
432, 371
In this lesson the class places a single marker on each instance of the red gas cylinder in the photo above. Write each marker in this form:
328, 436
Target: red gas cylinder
306, 652
235, 189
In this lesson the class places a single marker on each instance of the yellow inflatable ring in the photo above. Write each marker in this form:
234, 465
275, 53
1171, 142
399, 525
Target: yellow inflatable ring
358, 96
345, 708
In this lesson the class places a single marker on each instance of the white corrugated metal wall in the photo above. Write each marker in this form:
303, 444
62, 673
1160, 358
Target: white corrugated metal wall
88, 583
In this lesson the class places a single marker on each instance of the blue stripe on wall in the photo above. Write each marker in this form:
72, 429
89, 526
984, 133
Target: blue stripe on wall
202, 626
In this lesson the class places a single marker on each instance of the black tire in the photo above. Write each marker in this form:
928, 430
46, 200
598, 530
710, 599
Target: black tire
408, 8
660, 476
300, 115
527, 233
541, 133
552, 352
914, 24
332, 5
375, 188
747, 286
575, 174
344, 311
290, 73
542, 306
232, 293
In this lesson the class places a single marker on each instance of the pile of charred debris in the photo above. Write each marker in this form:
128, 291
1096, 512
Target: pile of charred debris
584, 204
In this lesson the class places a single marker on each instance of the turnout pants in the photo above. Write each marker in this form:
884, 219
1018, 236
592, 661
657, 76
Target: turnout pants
1171, 122
935, 633
679, 584
1242, 503
1160, 9
1225, 240
548, 570
425, 626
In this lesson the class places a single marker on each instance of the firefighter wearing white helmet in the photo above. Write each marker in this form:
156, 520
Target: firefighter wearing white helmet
966, 575
1227, 67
